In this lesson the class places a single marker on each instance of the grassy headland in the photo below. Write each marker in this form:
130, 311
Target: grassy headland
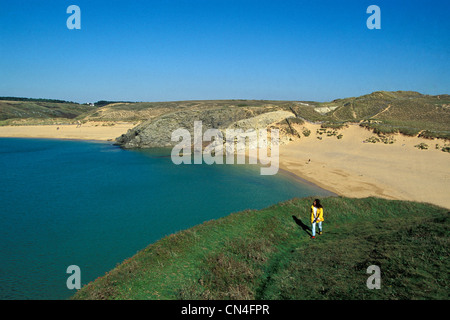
268, 254
19, 111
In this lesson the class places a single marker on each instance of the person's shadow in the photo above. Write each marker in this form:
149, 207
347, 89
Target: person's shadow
302, 225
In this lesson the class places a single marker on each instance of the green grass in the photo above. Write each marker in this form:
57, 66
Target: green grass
267, 254
411, 129
40, 109
333, 125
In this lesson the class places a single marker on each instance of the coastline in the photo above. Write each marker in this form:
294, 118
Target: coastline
302, 180
345, 167
98, 131
350, 168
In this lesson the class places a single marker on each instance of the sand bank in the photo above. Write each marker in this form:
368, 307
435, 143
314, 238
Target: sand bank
104, 131
352, 168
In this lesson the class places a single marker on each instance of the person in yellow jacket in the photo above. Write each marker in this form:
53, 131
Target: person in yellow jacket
316, 217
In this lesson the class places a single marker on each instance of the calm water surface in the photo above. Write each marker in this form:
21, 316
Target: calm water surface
92, 204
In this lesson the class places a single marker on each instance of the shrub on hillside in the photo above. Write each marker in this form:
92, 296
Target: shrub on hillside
421, 146
306, 132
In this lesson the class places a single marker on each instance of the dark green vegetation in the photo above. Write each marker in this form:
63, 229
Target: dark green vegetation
103, 103
34, 100
268, 254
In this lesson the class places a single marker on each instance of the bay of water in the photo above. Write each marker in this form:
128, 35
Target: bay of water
93, 204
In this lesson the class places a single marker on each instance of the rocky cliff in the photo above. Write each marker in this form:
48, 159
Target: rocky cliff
157, 132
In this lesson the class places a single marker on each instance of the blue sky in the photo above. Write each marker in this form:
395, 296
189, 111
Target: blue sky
222, 49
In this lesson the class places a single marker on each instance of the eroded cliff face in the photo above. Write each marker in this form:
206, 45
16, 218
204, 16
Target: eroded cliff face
157, 132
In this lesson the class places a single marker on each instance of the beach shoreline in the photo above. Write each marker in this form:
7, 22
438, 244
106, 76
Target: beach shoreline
346, 167
96, 131
353, 168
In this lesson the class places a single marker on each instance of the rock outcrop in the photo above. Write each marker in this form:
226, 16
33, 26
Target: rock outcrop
157, 132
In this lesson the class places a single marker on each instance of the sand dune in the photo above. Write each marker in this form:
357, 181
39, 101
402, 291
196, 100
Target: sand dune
352, 168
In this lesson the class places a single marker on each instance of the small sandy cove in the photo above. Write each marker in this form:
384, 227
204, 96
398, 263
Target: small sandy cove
347, 166
88, 131
352, 168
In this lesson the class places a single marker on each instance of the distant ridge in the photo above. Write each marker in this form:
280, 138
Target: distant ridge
14, 109
385, 112
35, 100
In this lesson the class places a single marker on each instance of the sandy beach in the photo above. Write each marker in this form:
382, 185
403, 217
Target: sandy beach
103, 131
352, 168
347, 166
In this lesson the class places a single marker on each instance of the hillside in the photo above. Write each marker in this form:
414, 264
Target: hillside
160, 119
157, 132
402, 111
17, 109
143, 111
409, 113
406, 112
268, 254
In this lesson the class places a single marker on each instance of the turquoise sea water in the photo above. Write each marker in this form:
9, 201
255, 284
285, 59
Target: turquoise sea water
92, 204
